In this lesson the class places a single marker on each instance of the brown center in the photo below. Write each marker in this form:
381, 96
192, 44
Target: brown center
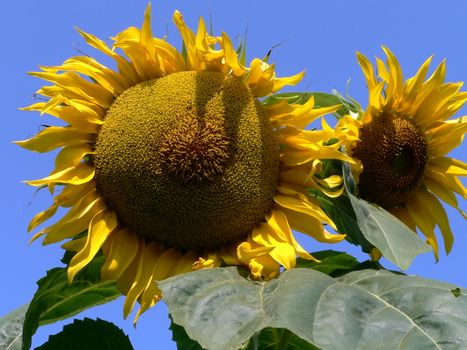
195, 150
393, 152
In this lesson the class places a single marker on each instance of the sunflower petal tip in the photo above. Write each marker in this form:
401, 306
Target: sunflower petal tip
147, 12
70, 275
178, 15
79, 30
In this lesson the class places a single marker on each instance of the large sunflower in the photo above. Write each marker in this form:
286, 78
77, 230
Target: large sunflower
404, 137
171, 163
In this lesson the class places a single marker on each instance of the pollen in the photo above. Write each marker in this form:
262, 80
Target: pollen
393, 152
188, 160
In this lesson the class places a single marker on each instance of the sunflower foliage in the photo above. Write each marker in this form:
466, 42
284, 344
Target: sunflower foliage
165, 225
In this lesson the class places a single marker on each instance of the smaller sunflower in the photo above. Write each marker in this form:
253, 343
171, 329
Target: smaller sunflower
404, 137
171, 162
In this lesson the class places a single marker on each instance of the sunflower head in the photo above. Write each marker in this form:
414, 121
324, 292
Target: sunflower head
171, 162
403, 139
393, 152
199, 139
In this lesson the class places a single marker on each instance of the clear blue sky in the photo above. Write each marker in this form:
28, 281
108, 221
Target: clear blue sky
320, 36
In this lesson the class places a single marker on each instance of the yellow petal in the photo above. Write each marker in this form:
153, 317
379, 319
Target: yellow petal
450, 181
277, 220
146, 33
71, 194
367, 68
424, 222
71, 156
438, 105
75, 221
268, 236
375, 102
403, 215
164, 268
144, 276
446, 137
414, 84
311, 226
194, 61
100, 227
264, 267
231, 57
260, 78
124, 246
185, 263
53, 137
74, 175
382, 70
250, 250
438, 213
150, 297
449, 166
42, 216
107, 78
129, 276
279, 83
75, 86
435, 80
288, 199
396, 80
441, 191
128, 74
75, 245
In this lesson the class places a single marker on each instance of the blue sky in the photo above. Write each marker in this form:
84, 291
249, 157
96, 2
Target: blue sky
319, 36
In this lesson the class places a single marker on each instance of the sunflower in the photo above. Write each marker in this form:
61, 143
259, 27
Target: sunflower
404, 137
172, 162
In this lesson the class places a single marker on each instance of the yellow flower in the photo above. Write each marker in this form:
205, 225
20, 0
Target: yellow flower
172, 163
404, 136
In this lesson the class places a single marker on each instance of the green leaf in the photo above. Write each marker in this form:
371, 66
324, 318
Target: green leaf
179, 336
88, 334
332, 262
341, 212
278, 338
365, 309
11, 329
421, 313
321, 100
55, 299
398, 243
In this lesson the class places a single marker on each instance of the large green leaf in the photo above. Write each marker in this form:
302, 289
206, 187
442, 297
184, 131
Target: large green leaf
419, 313
367, 309
398, 243
55, 299
88, 335
11, 329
